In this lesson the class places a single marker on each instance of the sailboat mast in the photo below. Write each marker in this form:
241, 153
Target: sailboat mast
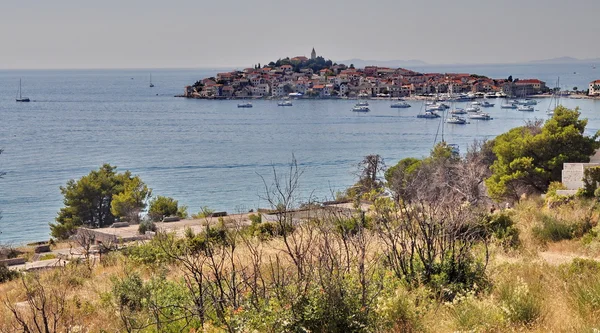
558, 93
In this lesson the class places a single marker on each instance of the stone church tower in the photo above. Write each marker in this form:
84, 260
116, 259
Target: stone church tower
313, 54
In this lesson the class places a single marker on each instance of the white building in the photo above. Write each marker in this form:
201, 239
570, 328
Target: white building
278, 90
260, 90
594, 88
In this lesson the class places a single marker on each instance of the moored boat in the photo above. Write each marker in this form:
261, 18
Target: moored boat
284, 103
20, 98
527, 102
526, 108
360, 108
244, 105
362, 103
472, 108
486, 104
458, 111
400, 105
428, 115
456, 120
508, 106
481, 116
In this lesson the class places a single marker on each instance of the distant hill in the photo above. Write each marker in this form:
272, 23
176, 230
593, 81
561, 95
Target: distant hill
360, 63
564, 60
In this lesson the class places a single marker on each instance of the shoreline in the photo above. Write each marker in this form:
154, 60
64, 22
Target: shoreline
407, 98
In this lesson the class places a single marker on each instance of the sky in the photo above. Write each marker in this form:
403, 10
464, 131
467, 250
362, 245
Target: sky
224, 33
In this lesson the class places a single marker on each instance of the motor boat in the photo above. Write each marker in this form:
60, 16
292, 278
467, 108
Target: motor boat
526, 108
284, 103
400, 105
508, 106
360, 108
472, 108
245, 105
458, 111
481, 116
456, 120
428, 115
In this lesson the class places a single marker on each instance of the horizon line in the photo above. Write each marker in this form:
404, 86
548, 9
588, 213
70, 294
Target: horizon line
528, 62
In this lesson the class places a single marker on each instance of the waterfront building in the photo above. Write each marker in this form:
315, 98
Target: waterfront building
594, 88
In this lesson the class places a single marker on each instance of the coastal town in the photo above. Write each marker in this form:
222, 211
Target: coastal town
316, 77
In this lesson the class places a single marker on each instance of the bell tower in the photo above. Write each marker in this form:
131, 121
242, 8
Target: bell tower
313, 54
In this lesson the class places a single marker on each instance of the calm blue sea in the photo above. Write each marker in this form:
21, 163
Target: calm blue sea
210, 153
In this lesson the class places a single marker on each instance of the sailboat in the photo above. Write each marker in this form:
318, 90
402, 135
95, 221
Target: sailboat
555, 99
151, 85
20, 98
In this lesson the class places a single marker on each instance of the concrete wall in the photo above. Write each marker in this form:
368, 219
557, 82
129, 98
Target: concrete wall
572, 174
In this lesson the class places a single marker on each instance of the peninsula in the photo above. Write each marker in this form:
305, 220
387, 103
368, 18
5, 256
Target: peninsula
315, 77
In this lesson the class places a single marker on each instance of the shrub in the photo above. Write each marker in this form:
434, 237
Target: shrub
6, 274
503, 229
398, 312
255, 219
582, 277
146, 226
162, 206
130, 293
149, 253
203, 213
554, 229
591, 180
520, 304
452, 278
475, 315
182, 212
265, 231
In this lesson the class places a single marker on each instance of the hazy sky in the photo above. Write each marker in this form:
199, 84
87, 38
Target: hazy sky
153, 33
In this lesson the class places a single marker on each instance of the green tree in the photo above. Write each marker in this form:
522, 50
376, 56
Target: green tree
88, 200
162, 206
532, 156
128, 204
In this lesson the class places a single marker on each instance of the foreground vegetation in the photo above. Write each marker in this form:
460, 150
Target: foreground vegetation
436, 255
334, 275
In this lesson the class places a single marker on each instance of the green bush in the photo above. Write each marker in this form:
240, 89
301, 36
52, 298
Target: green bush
149, 253
265, 231
503, 229
6, 274
162, 206
452, 278
255, 219
146, 226
182, 212
554, 230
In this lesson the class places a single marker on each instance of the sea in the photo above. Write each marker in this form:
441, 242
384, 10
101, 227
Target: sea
211, 153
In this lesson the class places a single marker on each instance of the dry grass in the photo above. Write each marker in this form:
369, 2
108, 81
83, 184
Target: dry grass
533, 272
